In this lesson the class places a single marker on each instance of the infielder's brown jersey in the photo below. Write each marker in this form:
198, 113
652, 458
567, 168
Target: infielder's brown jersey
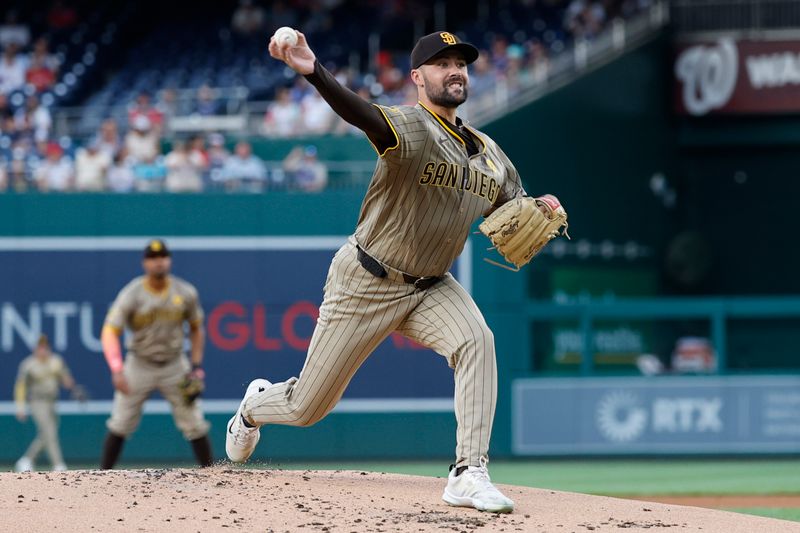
40, 379
155, 319
426, 192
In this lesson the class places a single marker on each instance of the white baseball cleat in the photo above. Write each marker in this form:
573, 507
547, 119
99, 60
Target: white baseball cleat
23, 465
60, 467
240, 440
473, 488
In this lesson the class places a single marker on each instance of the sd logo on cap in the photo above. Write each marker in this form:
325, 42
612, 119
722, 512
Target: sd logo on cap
156, 248
435, 43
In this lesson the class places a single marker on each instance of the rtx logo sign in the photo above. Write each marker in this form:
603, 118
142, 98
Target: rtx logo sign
622, 416
684, 415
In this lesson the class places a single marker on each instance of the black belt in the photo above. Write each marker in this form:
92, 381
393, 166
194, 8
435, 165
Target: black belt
154, 362
372, 266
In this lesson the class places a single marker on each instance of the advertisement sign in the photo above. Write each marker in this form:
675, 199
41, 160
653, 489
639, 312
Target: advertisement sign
260, 297
670, 415
617, 343
728, 76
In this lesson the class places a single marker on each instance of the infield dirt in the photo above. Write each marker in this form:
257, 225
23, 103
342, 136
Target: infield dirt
223, 498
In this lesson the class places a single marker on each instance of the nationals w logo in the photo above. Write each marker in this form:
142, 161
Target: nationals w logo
708, 74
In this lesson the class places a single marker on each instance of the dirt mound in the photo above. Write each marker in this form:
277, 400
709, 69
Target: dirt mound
223, 498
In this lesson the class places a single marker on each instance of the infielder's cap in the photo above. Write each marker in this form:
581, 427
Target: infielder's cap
156, 248
436, 43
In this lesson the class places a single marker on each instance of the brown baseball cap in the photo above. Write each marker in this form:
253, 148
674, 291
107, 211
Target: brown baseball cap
435, 43
156, 248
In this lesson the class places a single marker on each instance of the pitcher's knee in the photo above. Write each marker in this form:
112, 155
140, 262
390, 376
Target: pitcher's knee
309, 417
479, 344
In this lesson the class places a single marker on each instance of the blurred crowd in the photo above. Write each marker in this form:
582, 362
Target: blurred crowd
139, 151
137, 161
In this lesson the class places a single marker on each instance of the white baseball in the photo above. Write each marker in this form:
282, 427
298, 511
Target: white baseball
285, 34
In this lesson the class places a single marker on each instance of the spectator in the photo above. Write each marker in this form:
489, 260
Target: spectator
584, 19
168, 104
5, 112
120, 175
144, 108
538, 62
206, 103
283, 115
217, 156
305, 170
61, 16
39, 75
248, 19
317, 115
149, 175
517, 75
3, 175
482, 79
184, 169
499, 53
12, 69
389, 76
55, 173
142, 141
217, 153
14, 32
108, 138
41, 51
34, 118
243, 170
91, 166
18, 175
198, 154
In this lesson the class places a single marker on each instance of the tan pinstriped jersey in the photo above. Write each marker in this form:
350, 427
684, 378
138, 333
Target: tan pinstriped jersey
156, 320
426, 193
41, 379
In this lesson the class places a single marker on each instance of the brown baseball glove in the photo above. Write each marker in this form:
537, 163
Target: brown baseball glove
521, 227
193, 385
79, 393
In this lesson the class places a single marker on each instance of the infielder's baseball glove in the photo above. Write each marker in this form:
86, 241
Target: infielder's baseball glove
79, 393
193, 385
520, 228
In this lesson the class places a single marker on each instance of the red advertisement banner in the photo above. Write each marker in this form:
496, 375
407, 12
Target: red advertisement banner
737, 77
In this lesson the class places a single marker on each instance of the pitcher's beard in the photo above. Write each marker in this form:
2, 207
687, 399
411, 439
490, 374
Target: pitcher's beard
444, 98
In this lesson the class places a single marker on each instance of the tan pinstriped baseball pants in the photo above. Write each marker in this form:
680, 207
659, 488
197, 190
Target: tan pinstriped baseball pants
359, 311
45, 417
144, 378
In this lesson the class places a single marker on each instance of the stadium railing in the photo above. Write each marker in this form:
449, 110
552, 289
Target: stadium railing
718, 311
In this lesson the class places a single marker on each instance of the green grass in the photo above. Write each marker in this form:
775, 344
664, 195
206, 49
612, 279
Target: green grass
608, 477
769, 512
624, 477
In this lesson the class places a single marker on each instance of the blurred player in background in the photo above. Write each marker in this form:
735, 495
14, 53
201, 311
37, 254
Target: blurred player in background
38, 380
154, 307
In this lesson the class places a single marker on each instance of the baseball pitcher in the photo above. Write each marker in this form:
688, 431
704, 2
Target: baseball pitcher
36, 389
154, 308
435, 176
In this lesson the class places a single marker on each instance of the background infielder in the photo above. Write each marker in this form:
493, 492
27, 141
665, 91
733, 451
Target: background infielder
154, 307
38, 380
434, 177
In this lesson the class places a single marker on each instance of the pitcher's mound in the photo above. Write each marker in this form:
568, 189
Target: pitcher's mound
223, 498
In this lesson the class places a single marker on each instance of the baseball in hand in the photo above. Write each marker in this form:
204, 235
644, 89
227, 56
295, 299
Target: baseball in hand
285, 34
